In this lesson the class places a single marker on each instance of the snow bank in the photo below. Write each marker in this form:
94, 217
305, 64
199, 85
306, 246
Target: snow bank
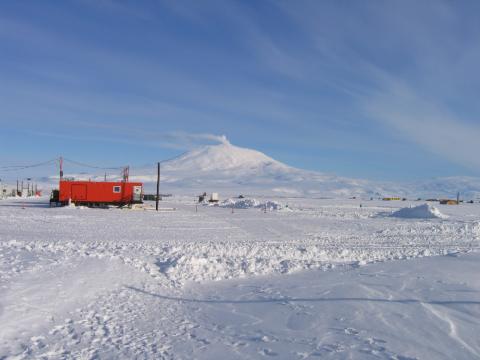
251, 203
424, 211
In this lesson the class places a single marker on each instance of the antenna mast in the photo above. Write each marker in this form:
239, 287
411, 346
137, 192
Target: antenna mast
61, 167
126, 172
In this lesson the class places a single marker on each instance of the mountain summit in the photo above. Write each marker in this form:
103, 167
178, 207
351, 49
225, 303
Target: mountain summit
222, 157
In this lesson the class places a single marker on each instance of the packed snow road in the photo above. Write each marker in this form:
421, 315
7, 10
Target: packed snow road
117, 283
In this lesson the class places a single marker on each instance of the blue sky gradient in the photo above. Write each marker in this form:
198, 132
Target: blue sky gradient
373, 89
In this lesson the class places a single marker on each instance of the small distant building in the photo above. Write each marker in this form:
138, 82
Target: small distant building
214, 198
448, 202
391, 199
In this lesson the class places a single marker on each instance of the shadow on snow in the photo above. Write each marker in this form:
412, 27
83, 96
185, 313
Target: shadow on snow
288, 299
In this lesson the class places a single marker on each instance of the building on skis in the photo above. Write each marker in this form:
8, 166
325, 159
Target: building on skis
97, 193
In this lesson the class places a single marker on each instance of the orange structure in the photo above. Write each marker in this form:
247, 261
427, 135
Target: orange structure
93, 193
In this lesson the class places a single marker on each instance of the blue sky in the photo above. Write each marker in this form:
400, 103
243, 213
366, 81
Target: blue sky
373, 89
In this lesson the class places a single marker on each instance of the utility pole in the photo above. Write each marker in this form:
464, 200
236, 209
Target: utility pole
158, 186
126, 173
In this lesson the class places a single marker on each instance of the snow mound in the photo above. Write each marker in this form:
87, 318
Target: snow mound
425, 211
251, 204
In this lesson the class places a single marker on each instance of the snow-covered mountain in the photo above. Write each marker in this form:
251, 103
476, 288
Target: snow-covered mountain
225, 167
233, 170
223, 157
228, 168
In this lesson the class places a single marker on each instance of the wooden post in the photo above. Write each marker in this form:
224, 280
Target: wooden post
158, 186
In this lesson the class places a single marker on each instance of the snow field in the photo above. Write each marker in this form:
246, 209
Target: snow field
214, 244
79, 282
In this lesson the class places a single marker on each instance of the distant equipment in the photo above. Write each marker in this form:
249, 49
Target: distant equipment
201, 198
149, 197
391, 198
153, 197
449, 202
214, 198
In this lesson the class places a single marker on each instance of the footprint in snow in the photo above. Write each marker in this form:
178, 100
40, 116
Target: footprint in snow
268, 352
351, 331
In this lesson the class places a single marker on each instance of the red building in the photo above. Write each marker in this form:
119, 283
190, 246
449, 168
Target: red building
93, 193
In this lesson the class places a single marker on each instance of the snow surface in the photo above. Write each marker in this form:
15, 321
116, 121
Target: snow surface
420, 309
425, 211
95, 283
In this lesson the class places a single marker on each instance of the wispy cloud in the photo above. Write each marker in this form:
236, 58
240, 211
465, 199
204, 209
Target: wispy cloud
128, 135
407, 77
189, 140
425, 121
266, 49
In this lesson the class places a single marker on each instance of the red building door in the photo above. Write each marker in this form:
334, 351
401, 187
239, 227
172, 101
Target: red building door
79, 192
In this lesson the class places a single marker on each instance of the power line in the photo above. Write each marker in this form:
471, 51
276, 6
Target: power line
12, 168
93, 166
23, 167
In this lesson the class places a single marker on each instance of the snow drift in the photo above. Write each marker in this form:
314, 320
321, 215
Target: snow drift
251, 203
424, 211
